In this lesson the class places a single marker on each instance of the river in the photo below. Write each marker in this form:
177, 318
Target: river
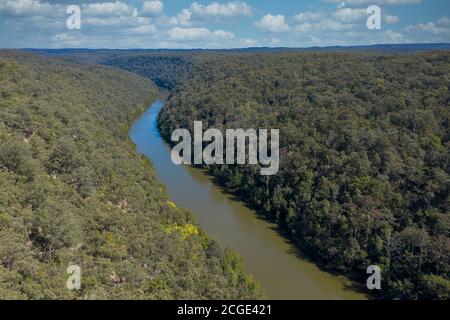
276, 264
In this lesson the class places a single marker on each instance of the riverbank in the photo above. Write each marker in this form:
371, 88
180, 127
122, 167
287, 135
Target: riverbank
274, 262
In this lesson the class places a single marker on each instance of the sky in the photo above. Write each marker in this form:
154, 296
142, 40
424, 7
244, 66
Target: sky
188, 24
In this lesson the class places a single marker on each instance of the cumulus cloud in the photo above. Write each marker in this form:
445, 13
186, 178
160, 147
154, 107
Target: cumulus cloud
354, 3
273, 23
327, 25
144, 29
107, 9
391, 36
69, 40
341, 20
142, 23
115, 14
194, 34
215, 9
444, 22
315, 24
309, 16
438, 31
349, 15
273, 41
153, 8
27, 7
344, 26
246, 42
121, 21
183, 18
212, 12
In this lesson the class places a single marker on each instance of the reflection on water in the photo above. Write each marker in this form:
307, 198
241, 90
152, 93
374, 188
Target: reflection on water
274, 263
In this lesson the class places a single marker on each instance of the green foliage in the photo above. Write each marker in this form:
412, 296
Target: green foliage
365, 154
165, 70
74, 191
435, 287
17, 158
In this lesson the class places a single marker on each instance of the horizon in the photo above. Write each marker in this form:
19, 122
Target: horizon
446, 45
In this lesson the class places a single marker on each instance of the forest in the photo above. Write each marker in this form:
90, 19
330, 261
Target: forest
364, 176
365, 154
166, 70
73, 191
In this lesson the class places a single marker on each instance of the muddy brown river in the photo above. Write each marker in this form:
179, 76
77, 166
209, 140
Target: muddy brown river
282, 271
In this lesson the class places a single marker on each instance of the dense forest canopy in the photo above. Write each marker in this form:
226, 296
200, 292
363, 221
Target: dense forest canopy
365, 157
74, 191
168, 67
365, 160
166, 71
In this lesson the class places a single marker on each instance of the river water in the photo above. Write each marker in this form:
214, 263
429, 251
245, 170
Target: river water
281, 270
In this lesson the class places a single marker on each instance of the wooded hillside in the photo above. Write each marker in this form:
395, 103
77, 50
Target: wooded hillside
365, 158
73, 190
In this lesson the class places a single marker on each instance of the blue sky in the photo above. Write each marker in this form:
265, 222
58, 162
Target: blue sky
220, 24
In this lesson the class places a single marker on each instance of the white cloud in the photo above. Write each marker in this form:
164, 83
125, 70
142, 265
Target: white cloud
274, 41
230, 9
391, 36
345, 26
26, 7
444, 22
195, 34
273, 23
245, 42
304, 27
145, 29
142, 23
330, 25
430, 27
183, 18
153, 8
121, 21
107, 9
309, 16
349, 15
346, 20
353, 3
113, 14
214, 11
61, 36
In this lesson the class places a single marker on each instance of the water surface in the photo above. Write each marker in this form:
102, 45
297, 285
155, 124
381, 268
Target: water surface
273, 262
